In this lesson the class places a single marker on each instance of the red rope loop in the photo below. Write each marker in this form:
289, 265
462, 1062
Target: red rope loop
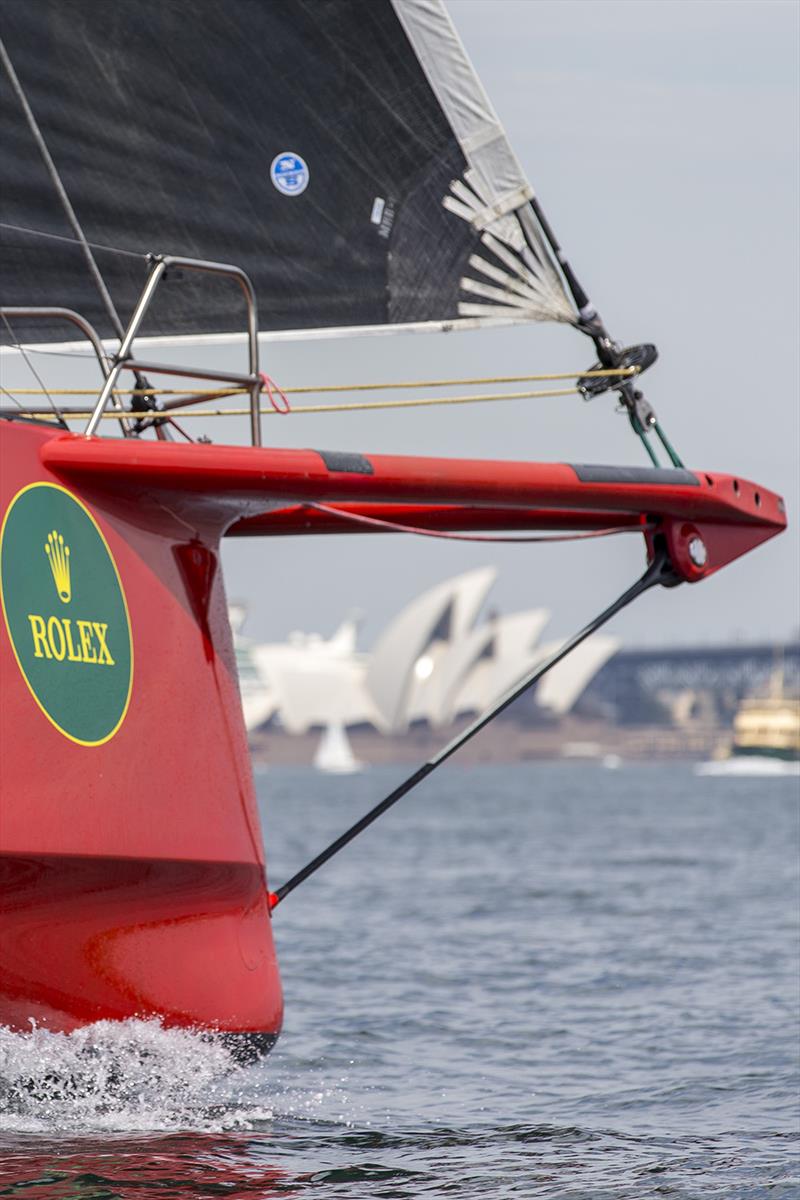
277, 397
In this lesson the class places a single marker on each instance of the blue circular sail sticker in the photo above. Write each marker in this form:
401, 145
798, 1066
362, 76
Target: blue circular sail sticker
289, 173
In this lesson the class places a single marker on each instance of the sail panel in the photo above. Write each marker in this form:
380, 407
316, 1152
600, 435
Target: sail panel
311, 142
458, 89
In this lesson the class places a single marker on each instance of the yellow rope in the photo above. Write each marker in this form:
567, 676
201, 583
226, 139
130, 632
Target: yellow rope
343, 387
357, 406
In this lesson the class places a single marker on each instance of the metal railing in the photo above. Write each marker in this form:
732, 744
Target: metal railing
123, 360
112, 365
88, 331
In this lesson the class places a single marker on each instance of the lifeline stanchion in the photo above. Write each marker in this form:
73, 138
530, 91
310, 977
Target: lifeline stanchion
659, 571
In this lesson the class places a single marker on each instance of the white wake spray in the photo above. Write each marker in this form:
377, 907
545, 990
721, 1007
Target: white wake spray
129, 1075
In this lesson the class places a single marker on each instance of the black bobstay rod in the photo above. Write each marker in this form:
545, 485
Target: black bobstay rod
658, 572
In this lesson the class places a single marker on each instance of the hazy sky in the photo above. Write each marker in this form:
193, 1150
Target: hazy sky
662, 139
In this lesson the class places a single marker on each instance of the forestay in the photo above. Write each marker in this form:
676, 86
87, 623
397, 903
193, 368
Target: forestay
342, 152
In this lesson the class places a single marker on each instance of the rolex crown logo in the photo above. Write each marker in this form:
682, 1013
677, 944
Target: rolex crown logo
58, 557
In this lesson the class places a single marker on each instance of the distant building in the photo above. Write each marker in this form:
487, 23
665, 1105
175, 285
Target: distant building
432, 664
409, 662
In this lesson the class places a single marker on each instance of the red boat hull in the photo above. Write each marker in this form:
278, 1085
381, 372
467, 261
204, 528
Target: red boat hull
132, 870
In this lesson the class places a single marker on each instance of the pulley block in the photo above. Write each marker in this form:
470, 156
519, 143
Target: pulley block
642, 356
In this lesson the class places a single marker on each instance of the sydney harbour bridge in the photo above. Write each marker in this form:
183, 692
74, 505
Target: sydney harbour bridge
637, 680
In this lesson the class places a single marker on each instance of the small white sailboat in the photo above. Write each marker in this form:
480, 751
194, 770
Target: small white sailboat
334, 754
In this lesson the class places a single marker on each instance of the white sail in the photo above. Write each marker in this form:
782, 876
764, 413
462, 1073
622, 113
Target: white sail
334, 754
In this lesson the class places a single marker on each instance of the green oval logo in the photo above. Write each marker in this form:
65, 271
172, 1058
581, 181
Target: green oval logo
66, 613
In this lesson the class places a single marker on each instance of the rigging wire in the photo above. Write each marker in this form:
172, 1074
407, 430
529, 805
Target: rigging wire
33, 370
659, 572
14, 399
60, 237
34, 349
61, 191
66, 204
174, 424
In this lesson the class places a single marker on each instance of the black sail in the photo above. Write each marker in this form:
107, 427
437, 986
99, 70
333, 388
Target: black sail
324, 146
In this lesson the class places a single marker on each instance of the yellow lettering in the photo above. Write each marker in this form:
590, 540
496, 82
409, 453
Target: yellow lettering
54, 639
55, 626
88, 650
39, 633
71, 655
103, 655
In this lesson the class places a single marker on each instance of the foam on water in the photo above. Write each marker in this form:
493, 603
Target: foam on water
128, 1075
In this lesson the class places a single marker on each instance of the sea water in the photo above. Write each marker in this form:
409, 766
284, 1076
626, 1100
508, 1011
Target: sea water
544, 980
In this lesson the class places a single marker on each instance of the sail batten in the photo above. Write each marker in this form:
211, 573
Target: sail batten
342, 152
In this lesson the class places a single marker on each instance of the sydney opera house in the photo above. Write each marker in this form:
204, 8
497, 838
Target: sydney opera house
435, 662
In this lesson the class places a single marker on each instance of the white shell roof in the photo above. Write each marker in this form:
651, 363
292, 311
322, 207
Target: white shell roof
390, 675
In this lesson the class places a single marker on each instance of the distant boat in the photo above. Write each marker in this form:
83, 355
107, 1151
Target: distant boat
751, 765
766, 736
334, 754
259, 701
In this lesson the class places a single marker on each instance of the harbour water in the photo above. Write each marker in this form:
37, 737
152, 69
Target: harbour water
529, 981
